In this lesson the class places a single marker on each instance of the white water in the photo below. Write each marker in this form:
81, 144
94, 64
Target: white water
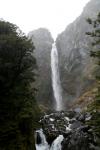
56, 145
56, 84
44, 145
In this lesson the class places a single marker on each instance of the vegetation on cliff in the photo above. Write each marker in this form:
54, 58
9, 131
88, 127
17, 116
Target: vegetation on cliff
94, 107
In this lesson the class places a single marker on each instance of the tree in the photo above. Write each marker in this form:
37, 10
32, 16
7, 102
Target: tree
18, 108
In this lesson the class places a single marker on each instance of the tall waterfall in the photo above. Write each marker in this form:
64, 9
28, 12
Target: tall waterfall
56, 84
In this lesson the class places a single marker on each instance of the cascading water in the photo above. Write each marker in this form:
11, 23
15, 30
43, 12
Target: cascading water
43, 144
56, 145
56, 84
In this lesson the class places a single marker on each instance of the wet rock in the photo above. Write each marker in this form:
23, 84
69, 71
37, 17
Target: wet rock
81, 117
78, 110
51, 137
88, 117
38, 138
77, 141
72, 125
84, 128
76, 124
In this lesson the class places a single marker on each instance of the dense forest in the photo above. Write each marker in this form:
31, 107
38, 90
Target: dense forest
18, 109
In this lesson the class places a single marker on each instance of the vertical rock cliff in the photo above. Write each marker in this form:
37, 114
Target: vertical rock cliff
43, 40
74, 54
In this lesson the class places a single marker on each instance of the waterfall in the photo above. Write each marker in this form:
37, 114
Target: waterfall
56, 84
43, 145
56, 145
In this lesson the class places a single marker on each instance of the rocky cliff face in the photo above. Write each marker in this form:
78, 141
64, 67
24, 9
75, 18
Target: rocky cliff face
42, 40
74, 46
75, 64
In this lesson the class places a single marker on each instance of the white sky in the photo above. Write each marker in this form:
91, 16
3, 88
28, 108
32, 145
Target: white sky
32, 14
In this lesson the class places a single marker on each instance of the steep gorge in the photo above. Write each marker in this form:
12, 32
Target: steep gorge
75, 65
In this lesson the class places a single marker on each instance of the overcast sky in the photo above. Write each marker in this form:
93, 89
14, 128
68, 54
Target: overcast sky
32, 14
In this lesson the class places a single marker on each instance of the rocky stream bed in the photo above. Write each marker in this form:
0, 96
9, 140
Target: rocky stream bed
66, 131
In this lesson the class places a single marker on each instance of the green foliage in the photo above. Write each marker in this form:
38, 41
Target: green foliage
94, 108
95, 34
18, 109
95, 123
